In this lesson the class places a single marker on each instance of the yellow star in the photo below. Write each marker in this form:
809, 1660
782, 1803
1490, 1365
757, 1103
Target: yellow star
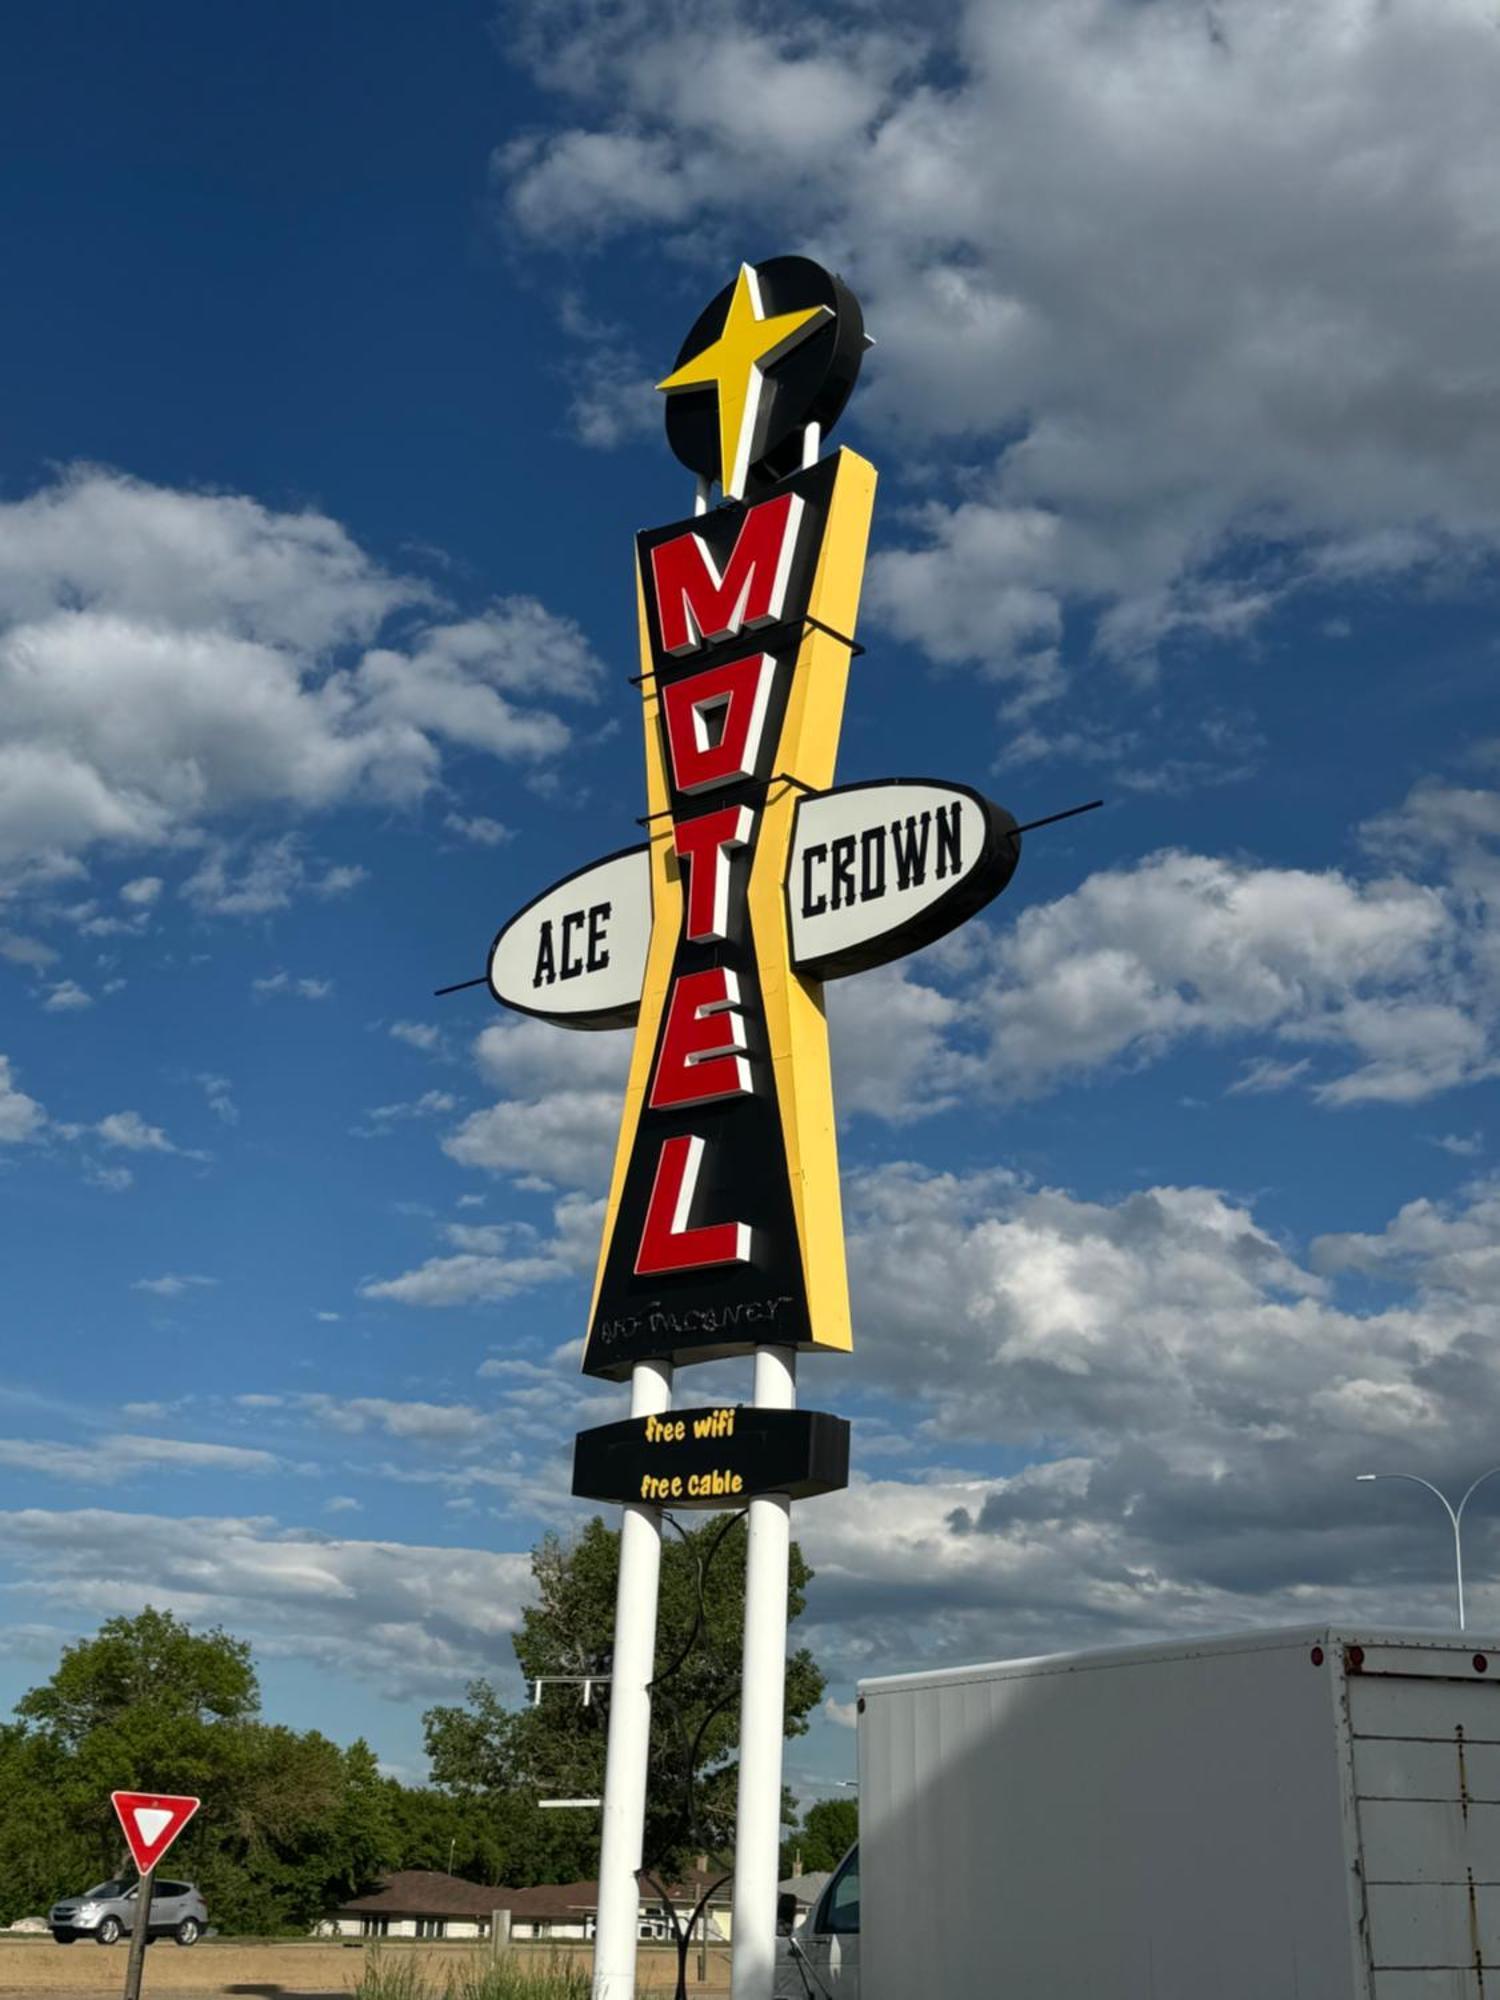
734, 365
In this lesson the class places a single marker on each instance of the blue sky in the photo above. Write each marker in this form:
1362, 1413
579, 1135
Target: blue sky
328, 348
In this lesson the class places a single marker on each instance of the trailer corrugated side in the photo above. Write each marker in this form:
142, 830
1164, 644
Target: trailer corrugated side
1299, 1815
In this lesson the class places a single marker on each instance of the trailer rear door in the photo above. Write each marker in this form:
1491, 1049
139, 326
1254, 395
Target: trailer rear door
1425, 1737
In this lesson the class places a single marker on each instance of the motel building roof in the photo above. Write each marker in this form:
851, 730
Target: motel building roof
428, 1892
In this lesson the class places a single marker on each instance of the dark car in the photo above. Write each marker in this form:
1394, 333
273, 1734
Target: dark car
106, 1913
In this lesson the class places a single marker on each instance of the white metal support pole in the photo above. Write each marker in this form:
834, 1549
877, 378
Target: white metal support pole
757, 1841
625, 1758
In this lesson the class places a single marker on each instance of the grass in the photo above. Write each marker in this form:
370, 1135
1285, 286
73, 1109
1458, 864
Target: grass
399, 1979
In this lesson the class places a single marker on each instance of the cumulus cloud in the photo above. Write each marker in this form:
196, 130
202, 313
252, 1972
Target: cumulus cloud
130, 1131
250, 881
477, 829
440, 1422
21, 1117
1202, 296
220, 1095
489, 1261
1369, 989
384, 1118
67, 997
561, 1111
1189, 1398
106, 1460
416, 1622
169, 656
418, 1035
282, 983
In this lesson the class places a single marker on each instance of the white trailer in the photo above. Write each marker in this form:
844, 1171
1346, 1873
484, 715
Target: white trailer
1292, 1815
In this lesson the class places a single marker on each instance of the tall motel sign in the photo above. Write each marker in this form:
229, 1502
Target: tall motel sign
759, 880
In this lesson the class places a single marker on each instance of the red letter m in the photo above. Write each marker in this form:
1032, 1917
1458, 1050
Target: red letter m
697, 606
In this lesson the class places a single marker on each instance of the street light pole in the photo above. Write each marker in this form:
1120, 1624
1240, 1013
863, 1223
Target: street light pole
1455, 1516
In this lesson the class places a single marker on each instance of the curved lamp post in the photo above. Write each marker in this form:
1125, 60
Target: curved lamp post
1455, 1515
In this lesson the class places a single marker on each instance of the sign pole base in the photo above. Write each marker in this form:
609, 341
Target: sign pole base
624, 1815
757, 1847
140, 1930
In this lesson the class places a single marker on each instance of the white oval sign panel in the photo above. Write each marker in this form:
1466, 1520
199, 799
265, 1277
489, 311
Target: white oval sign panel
577, 955
877, 870
881, 869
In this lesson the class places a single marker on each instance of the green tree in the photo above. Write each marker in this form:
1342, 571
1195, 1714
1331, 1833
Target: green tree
829, 1829
151, 1665
290, 1823
555, 1747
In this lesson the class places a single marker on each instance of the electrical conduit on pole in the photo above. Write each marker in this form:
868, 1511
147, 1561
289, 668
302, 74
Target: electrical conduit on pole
757, 1846
624, 1813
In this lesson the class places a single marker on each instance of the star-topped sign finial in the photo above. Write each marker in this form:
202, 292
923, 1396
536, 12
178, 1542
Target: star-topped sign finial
734, 366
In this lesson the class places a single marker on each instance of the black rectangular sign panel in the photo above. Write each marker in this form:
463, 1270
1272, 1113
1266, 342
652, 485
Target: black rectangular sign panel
718, 1457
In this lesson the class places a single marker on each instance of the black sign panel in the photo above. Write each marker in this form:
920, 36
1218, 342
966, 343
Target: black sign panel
717, 1457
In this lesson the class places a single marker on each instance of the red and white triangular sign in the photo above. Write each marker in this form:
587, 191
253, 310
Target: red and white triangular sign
151, 1821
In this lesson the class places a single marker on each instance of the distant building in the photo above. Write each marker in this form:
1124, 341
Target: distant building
806, 1888
419, 1903
425, 1903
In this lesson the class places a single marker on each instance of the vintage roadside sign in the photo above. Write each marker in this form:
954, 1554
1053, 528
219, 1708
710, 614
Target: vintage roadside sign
151, 1821
759, 879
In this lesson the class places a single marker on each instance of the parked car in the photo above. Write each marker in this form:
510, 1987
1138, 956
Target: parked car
818, 1958
106, 1913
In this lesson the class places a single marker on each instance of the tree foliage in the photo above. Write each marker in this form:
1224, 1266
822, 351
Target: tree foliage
554, 1748
829, 1829
292, 1824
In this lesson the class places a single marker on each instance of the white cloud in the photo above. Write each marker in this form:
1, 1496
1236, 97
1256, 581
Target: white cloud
1194, 1396
130, 1131
282, 982
383, 1117
21, 1117
417, 1622
418, 1035
172, 1284
476, 828
142, 892
1462, 1145
433, 1422
496, 1260
1083, 238
233, 881
1367, 990
28, 951
559, 1119
106, 1460
219, 1092
166, 657
67, 997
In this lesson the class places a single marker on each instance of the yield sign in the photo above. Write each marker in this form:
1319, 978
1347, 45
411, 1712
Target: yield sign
152, 1821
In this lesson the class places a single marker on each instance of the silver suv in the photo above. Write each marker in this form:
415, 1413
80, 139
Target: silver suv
107, 1912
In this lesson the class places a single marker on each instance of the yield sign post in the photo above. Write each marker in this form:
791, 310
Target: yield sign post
150, 1821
